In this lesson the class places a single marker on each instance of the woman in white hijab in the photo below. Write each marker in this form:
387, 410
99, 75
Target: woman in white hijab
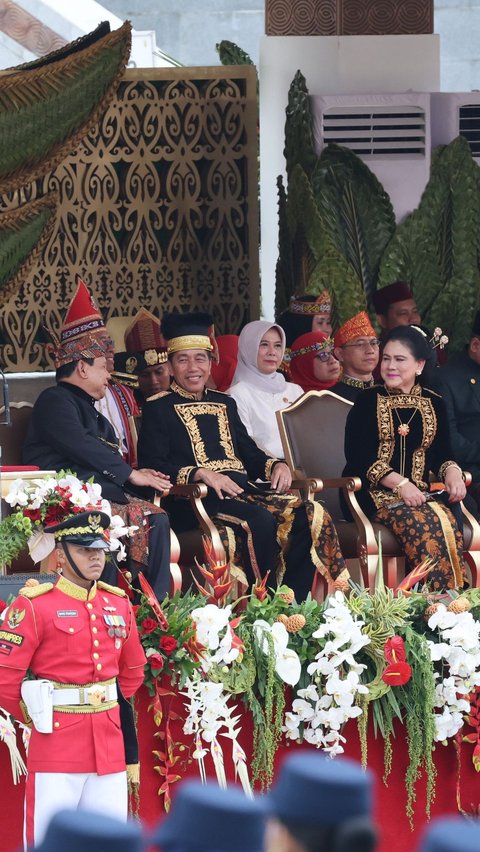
257, 388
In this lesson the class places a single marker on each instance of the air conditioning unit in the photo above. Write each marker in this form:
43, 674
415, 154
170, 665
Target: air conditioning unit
390, 132
456, 114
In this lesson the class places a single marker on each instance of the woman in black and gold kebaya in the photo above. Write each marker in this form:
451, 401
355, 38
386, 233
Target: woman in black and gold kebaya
396, 435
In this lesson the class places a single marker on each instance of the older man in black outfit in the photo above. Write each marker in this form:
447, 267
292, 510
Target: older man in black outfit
460, 388
67, 433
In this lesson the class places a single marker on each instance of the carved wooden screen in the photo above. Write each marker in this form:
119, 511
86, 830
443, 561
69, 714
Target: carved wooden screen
158, 207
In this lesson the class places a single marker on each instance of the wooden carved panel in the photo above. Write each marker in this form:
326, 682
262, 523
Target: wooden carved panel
302, 18
158, 207
386, 17
348, 17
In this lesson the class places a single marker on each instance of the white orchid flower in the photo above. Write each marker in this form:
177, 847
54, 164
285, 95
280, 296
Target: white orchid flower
442, 618
210, 620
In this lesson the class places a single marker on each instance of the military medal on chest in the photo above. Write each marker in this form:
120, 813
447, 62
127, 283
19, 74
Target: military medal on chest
116, 627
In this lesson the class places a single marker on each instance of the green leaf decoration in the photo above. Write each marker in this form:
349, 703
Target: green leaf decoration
231, 54
437, 247
327, 268
356, 211
284, 279
23, 235
299, 145
46, 110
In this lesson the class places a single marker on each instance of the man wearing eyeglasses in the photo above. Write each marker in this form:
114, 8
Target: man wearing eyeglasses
357, 349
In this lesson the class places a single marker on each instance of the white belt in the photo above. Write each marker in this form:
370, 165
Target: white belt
93, 696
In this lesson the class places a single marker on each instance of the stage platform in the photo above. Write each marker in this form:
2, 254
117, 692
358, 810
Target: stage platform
396, 835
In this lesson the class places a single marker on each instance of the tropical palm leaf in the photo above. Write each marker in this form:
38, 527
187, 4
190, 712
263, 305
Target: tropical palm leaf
437, 247
356, 211
23, 234
328, 269
46, 109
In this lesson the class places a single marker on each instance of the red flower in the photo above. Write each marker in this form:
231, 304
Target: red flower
260, 588
168, 644
156, 661
33, 514
148, 626
396, 674
135, 608
394, 650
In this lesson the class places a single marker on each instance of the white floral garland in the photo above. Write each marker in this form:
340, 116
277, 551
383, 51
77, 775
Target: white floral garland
458, 653
325, 705
207, 707
32, 494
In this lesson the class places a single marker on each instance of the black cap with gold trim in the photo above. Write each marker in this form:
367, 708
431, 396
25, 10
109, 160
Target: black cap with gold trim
89, 529
188, 331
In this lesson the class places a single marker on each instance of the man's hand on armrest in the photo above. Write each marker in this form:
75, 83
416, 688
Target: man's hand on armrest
222, 484
146, 477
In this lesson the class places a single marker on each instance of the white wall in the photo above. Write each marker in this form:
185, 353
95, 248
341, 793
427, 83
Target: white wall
347, 64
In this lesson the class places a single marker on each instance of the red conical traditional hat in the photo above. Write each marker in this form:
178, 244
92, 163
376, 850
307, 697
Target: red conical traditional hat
83, 316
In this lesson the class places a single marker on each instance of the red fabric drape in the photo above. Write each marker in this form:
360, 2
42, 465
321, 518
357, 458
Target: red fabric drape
390, 801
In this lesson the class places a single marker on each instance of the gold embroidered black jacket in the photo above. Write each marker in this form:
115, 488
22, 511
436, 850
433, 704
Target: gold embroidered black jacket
373, 446
180, 434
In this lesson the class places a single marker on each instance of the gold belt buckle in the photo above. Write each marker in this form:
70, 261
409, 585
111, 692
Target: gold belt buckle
96, 695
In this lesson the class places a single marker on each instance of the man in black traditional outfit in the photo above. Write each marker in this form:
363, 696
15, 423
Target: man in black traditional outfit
195, 435
356, 347
67, 433
460, 388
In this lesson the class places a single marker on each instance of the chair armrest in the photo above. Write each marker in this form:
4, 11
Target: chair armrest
348, 483
195, 492
192, 491
312, 484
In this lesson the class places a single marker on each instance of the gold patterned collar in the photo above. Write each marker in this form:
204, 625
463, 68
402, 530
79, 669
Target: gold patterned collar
416, 391
357, 383
74, 591
182, 392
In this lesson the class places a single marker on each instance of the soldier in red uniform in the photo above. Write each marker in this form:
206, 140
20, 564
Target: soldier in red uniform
78, 638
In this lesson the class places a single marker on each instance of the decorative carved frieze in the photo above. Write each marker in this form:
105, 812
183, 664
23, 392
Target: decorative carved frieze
27, 30
348, 17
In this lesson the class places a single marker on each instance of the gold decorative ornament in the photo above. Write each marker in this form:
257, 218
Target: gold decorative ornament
151, 357
130, 364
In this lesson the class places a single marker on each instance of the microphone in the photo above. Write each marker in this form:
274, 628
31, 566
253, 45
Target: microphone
7, 420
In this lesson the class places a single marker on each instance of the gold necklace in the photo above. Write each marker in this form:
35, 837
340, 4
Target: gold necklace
403, 430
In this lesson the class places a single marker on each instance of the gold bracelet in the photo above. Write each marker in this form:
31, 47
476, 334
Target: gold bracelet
398, 486
446, 466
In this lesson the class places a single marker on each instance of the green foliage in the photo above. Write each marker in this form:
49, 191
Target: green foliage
15, 530
437, 247
231, 54
42, 109
284, 278
299, 146
325, 266
180, 662
355, 210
